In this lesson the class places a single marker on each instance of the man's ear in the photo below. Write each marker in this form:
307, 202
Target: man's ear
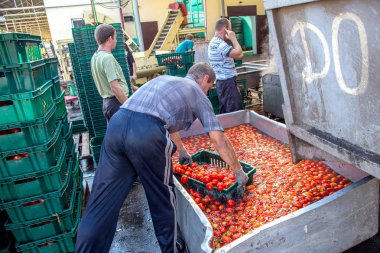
205, 78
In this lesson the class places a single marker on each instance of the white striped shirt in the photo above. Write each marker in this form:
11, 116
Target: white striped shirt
223, 65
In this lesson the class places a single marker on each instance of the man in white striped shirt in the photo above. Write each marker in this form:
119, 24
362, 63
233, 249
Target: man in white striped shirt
221, 57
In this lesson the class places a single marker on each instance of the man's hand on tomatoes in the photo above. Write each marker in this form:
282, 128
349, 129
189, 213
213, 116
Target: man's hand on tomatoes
184, 157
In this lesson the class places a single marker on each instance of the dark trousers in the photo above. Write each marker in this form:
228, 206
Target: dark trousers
229, 95
135, 144
110, 107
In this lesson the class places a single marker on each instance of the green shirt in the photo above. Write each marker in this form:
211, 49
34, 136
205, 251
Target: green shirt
105, 69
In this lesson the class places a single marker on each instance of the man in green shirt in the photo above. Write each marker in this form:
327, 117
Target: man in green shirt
107, 73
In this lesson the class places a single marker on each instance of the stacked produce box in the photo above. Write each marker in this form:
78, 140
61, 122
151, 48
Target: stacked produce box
40, 179
177, 64
237, 27
81, 51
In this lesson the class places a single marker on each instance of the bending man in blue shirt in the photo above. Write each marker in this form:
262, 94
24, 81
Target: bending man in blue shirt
140, 140
186, 45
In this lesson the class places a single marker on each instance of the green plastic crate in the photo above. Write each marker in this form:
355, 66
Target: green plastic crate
79, 126
175, 58
238, 63
68, 138
213, 97
62, 243
33, 159
24, 135
95, 146
77, 172
56, 88
178, 70
7, 246
51, 225
27, 106
60, 106
22, 78
207, 157
72, 89
18, 48
6, 238
40, 206
36, 183
65, 124
51, 68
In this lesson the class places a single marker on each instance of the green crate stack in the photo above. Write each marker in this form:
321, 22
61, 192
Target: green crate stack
40, 179
213, 97
6, 238
81, 53
177, 64
237, 27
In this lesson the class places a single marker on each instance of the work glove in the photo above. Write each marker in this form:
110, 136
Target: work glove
241, 177
184, 157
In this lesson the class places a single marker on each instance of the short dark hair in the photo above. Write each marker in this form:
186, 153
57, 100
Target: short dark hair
189, 37
221, 23
103, 32
199, 70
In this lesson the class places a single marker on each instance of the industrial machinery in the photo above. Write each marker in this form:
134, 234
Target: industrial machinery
64, 58
146, 62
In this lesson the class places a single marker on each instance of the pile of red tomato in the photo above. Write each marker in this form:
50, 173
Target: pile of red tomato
279, 186
211, 176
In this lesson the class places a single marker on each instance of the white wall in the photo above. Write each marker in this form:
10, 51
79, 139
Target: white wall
60, 13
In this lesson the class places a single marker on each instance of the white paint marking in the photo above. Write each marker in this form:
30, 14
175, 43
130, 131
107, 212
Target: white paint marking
308, 74
364, 50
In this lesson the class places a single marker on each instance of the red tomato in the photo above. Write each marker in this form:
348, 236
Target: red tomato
206, 179
220, 187
184, 179
209, 186
226, 239
231, 203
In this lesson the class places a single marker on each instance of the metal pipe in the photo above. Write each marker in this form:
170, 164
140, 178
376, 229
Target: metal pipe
24, 14
10, 25
223, 11
121, 14
28, 18
94, 12
23, 8
24, 23
138, 24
